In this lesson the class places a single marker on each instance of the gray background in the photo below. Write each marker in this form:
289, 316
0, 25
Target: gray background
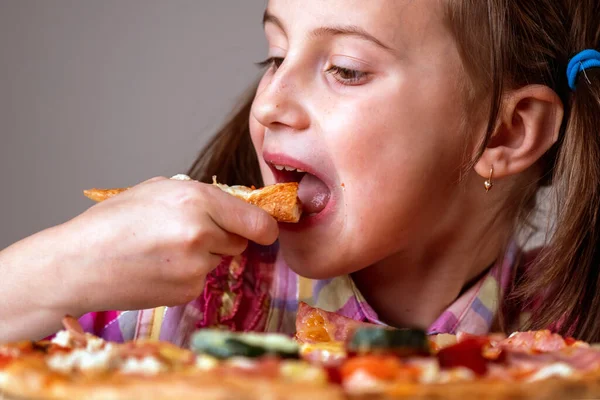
111, 92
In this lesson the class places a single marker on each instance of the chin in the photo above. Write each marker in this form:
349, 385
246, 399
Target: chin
307, 263
310, 261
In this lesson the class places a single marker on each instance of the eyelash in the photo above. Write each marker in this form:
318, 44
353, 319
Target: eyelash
352, 77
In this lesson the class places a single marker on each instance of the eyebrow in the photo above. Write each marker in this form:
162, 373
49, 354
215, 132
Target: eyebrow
336, 30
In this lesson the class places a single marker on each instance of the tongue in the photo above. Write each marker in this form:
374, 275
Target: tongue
313, 193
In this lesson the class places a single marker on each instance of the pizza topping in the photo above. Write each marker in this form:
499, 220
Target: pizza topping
468, 354
5, 360
381, 367
82, 359
360, 382
298, 371
579, 358
242, 362
534, 341
314, 325
206, 362
441, 340
429, 369
457, 374
69, 340
225, 344
181, 177
402, 342
552, 370
145, 366
327, 353
374, 373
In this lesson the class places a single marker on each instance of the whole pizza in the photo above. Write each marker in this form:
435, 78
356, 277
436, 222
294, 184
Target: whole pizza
330, 357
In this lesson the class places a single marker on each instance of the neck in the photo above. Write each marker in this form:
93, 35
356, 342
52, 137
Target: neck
413, 287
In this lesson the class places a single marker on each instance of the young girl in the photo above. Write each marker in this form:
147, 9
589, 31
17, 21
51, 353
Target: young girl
420, 133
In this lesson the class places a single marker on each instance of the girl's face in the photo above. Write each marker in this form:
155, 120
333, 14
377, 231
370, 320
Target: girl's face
366, 97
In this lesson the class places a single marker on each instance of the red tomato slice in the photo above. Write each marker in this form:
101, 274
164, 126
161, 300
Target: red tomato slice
467, 353
380, 367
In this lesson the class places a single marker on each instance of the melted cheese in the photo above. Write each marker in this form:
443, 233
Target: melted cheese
300, 371
64, 338
145, 366
82, 359
181, 177
458, 374
429, 369
360, 382
242, 362
243, 192
206, 362
323, 352
553, 370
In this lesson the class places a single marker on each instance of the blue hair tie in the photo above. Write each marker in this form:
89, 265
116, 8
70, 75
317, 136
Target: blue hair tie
583, 60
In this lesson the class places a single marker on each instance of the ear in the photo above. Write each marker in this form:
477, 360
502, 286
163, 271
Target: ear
529, 124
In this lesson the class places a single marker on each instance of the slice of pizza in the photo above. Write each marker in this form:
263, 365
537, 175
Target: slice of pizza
223, 366
279, 200
371, 360
322, 334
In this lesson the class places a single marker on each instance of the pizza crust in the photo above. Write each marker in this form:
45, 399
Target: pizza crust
37, 384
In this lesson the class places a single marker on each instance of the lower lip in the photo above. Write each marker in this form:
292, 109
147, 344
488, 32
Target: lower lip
309, 221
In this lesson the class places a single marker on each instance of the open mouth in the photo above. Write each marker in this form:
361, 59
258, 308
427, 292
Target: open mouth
284, 173
313, 193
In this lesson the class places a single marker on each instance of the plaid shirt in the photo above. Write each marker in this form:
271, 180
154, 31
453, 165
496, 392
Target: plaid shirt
258, 292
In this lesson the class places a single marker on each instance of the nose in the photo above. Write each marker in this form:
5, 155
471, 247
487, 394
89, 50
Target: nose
278, 103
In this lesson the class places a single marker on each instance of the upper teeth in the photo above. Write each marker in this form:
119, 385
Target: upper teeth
287, 168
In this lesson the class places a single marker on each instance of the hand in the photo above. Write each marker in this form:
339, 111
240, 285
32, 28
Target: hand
154, 244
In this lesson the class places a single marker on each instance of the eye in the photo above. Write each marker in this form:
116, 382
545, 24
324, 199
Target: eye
347, 76
271, 62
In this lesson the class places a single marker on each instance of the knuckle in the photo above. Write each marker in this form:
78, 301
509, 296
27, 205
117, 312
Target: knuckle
195, 235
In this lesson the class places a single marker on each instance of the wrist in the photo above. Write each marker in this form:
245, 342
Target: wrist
62, 288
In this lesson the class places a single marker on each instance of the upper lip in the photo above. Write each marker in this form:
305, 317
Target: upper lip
273, 159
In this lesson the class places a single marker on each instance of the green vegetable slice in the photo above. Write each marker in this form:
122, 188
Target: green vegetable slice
402, 342
225, 344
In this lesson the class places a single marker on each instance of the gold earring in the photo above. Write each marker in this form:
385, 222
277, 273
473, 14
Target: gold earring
488, 183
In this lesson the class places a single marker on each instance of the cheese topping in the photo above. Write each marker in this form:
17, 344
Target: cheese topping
429, 369
82, 359
146, 366
360, 382
181, 177
9, 352
242, 362
206, 362
557, 369
324, 352
237, 191
458, 374
299, 371
64, 338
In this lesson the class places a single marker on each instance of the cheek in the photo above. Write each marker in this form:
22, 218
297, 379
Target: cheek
257, 134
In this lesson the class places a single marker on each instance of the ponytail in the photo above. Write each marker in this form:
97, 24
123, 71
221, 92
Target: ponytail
568, 269
570, 264
531, 42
